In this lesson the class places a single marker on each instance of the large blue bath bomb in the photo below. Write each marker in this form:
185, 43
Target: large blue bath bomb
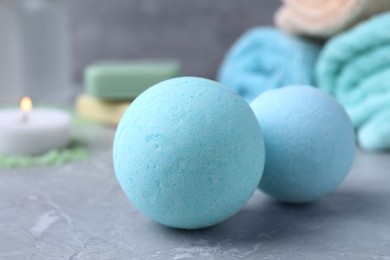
309, 140
189, 153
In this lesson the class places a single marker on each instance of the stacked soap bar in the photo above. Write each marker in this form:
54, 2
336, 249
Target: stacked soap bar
98, 110
111, 86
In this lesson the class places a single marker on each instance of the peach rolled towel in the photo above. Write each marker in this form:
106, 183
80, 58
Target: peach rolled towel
325, 18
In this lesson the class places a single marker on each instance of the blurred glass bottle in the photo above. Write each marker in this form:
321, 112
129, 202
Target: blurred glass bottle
43, 49
10, 54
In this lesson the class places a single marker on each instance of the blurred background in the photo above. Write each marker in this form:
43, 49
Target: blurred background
81, 32
198, 33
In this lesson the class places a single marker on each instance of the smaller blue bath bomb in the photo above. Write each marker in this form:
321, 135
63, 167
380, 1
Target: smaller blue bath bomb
189, 153
309, 140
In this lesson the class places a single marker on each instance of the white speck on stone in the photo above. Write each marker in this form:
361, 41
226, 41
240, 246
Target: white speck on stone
202, 249
183, 256
32, 197
44, 222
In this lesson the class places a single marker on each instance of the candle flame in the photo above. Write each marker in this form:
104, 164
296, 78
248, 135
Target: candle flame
26, 104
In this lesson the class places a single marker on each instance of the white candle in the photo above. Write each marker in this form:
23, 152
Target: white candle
32, 131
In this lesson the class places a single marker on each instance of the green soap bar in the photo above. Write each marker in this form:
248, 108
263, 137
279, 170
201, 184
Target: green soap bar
126, 80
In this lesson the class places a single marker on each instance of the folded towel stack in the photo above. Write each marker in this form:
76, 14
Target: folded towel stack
355, 68
110, 87
324, 19
354, 65
266, 58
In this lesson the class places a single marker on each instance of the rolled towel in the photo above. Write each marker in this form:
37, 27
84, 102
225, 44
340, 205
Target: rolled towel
324, 19
355, 68
266, 58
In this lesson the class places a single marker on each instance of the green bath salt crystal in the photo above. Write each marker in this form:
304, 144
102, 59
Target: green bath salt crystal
126, 80
75, 151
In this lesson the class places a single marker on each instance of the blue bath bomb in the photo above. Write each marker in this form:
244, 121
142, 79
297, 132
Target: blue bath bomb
189, 153
309, 140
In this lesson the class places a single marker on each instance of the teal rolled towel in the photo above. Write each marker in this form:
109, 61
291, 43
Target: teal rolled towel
355, 68
266, 58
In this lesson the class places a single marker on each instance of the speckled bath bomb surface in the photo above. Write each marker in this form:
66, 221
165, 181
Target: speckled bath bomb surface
310, 143
189, 153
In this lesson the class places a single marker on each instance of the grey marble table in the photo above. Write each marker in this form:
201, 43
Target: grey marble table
78, 211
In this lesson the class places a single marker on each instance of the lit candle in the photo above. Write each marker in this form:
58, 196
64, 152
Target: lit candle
31, 131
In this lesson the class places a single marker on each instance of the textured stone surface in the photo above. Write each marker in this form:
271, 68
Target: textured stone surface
198, 33
79, 212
